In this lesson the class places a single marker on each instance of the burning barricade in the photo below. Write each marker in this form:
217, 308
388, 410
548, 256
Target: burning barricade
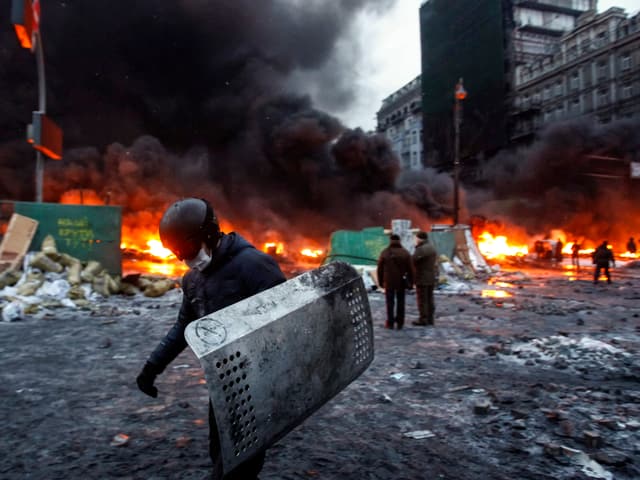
51, 279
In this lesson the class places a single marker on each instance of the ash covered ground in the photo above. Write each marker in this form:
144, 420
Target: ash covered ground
540, 385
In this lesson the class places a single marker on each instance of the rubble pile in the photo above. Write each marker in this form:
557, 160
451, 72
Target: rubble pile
50, 279
584, 355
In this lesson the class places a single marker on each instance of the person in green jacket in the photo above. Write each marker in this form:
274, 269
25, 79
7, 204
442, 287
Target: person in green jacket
424, 260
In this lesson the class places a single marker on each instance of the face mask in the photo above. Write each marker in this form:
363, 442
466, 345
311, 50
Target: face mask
200, 261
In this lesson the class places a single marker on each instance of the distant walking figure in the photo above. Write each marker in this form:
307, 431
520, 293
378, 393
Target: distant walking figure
601, 258
575, 254
631, 246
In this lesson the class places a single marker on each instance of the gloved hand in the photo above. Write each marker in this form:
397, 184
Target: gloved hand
146, 378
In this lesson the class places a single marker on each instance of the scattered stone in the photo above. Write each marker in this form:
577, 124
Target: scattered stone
579, 321
519, 424
120, 440
611, 458
519, 413
482, 407
492, 349
183, 441
552, 449
569, 452
592, 439
611, 424
459, 389
420, 434
417, 365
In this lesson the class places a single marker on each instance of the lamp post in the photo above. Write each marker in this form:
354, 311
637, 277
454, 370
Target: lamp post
43, 133
460, 94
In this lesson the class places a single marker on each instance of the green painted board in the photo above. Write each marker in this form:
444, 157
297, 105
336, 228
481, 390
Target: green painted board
357, 247
86, 232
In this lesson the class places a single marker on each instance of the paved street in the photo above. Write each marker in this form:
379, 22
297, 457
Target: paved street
541, 384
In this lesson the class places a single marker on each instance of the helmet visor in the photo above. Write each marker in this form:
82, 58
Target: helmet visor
185, 249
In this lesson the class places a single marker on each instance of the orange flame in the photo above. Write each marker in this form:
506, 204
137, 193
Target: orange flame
273, 248
499, 247
308, 252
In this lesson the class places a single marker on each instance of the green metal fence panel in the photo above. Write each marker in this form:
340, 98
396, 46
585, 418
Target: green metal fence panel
86, 232
444, 241
357, 247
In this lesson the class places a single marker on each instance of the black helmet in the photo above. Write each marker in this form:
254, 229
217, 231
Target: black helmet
186, 224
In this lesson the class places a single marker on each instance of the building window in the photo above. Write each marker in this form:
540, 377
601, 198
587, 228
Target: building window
603, 97
575, 105
560, 111
558, 89
575, 81
602, 69
625, 62
584, 45
547, 93
627, 91
536, 97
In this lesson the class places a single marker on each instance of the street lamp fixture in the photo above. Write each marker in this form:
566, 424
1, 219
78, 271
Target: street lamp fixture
459, 95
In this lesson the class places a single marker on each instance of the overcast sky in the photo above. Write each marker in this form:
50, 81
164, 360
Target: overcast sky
391, 56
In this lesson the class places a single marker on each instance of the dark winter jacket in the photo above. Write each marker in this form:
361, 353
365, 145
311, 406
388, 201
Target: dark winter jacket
394, 263
424, 264
602, 256
237, 271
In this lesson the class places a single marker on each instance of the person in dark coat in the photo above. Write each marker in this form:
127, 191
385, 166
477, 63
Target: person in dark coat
224, 269
395, 276
602, 257
425, 267
631, 246
557, 254
575, 254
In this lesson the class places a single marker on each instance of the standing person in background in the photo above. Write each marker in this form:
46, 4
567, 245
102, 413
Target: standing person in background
602, 256
424, 264
575, 254
395, 275
631, 246
557, 254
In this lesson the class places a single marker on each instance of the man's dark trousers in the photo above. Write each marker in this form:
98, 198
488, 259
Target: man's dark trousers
395, 315
426, 306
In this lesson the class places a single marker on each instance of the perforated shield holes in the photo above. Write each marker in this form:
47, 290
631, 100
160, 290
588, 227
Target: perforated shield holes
232, 376
362, 348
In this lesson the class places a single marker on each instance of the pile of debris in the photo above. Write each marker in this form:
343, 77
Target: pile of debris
50, 279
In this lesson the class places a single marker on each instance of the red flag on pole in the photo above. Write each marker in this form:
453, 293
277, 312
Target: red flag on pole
35, 6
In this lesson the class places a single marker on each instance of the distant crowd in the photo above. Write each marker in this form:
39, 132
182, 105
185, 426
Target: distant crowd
602, 257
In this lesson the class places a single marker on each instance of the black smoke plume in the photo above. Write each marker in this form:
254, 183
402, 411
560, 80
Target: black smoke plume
165, 99
576, 178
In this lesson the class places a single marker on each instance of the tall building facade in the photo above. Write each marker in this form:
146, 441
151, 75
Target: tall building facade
483, 42
594, 72
400, 120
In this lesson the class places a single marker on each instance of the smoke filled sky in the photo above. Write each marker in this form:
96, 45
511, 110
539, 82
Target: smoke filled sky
235, 100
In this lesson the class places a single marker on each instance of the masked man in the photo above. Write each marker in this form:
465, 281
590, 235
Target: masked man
224, 269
